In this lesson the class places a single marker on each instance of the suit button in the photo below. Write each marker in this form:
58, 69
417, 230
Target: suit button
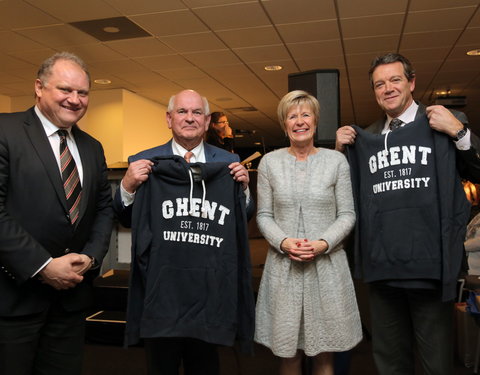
67, 250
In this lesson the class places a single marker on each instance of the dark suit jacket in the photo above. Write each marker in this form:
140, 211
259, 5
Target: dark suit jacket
468, 161
212, 154
34, 222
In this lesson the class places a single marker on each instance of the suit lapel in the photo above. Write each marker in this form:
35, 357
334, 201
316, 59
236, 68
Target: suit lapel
210, 153
38, 138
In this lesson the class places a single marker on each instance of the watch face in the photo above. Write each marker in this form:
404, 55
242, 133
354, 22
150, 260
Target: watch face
461, 134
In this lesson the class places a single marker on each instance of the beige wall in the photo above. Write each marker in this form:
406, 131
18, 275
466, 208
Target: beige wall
5, 104
125, 123
145, 124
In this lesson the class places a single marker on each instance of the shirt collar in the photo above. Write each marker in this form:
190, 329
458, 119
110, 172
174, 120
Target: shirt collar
181, 151
49, 127
407, 116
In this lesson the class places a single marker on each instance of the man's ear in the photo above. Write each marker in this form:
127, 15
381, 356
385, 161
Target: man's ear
169, 120
38, 88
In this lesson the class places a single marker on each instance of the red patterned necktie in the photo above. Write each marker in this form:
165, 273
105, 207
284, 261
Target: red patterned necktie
188, 155
70, 177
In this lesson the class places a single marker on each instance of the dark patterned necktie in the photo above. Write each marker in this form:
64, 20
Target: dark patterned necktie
70, 177
395, 124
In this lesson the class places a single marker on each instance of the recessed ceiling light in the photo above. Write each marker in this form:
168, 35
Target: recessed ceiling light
257, 143
474, 52
273, 68
111, 29
102, 81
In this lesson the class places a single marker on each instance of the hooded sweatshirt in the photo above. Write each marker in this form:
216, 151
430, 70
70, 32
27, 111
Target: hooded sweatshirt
410, 206
191, 272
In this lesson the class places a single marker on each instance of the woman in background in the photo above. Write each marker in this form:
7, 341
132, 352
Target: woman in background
306, 301
219, 132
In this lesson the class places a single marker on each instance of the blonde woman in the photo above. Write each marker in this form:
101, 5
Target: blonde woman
306, 301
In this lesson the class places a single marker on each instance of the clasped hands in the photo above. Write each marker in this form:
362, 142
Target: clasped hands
303, 250
65, 272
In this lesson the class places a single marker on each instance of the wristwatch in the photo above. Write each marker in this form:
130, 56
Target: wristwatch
461, 133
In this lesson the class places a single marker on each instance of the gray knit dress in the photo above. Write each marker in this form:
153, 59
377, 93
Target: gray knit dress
308, 306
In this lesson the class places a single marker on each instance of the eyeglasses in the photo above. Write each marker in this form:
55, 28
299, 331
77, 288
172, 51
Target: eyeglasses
222, 122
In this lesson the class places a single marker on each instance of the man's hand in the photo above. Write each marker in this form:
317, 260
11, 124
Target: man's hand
442, 120
81, 267
137, 173
240, 174
60, 272
345, 136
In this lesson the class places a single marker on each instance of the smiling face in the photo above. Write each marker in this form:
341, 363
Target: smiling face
393, 90
63, 95
187, 119
300, 124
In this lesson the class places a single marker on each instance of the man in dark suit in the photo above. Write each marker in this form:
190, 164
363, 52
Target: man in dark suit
408, 312
48, 241
188, 116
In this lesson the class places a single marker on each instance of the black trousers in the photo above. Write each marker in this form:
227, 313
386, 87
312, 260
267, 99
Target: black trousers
165, 354
47, 343
405, 319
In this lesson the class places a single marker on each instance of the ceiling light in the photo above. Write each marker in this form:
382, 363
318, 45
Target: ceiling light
273, 68
111, 29
474, 52
102, 81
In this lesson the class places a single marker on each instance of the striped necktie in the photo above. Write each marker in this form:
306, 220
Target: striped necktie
70, 177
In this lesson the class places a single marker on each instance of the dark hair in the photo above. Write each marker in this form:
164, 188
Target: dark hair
215, 116
390, 58
45, 70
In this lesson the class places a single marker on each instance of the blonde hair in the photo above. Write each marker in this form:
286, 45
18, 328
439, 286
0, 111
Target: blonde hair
296, 98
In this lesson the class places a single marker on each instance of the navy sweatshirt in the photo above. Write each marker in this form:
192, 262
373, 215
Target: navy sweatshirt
410, 205
191, 271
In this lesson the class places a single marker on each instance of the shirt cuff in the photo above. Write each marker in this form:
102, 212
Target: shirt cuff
42, 267
247, 195
127, 198
464, 143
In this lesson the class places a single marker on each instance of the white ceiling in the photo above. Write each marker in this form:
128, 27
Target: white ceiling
219, 48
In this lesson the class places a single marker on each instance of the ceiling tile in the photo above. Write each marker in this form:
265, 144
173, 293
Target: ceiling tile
170, 23
235, 16
255, 36
309, 31
430, 38
16, 14
267, 54
182, 74
443, 19
163, 62
371, 44
353, 9
470, 36
212, 58
140, 47
371, 26
439, 4
93, 52
425, 54
287, 11
193, 42
129, 7
14, 42
320, 49
57, 35
71, 11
